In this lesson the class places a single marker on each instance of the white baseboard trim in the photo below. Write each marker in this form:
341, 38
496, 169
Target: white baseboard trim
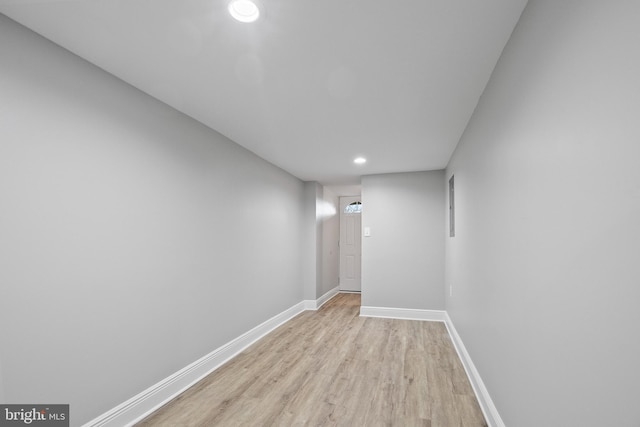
151, 399
489, 410
403, 313
326, 297
146, 402
491, 415
310, 304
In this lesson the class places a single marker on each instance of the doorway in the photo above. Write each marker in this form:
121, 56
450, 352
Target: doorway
350, 243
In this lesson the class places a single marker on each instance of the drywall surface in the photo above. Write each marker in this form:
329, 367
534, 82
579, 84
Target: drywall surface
330, 217
311, 238
2, 398
544, 265
320, 234
403, 259
133, 240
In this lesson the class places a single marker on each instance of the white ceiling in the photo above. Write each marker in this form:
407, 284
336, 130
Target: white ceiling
311, 84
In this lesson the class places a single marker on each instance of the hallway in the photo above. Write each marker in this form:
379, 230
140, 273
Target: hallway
332, 367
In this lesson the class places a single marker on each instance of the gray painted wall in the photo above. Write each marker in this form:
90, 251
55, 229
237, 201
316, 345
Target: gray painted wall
312, 240
320, 235
403, 260
2, 398
544, 266
330, 217
133, 240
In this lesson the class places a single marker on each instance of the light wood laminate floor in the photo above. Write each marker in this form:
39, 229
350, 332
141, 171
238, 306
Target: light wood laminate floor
333, 368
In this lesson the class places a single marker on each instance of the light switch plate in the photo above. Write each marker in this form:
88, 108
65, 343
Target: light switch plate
367, 232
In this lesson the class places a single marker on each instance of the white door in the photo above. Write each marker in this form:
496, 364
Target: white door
350, 243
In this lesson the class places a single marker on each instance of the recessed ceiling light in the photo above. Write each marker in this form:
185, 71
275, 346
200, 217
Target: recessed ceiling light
359, 160
244, 10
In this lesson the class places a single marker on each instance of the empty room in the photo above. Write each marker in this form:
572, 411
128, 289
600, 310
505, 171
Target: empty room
278, 213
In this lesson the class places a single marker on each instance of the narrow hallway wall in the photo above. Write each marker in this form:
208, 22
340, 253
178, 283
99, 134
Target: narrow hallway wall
133, 240
544, 265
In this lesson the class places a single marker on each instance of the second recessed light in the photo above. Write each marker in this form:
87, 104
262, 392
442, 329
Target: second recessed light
359, 160
244, 10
